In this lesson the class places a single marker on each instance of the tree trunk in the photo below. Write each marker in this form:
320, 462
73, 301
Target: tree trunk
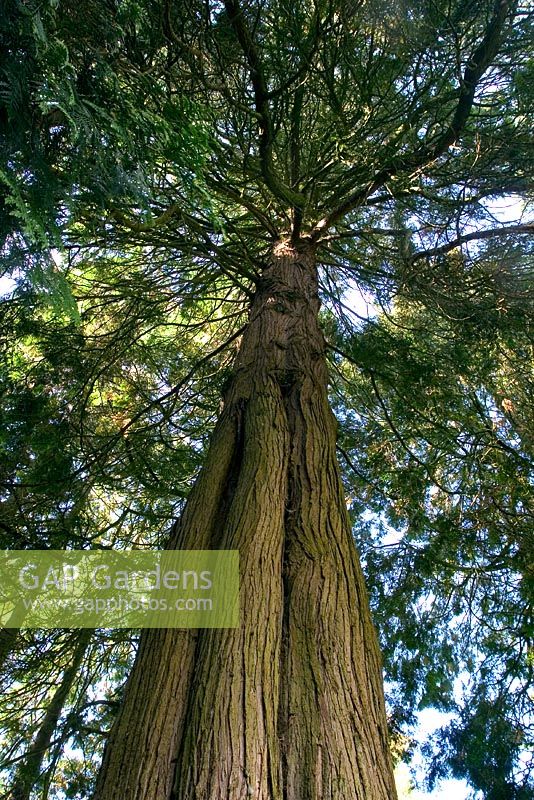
30, 768
8, 640
289, 706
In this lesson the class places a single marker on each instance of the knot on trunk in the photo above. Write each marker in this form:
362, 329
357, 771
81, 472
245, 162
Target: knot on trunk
285, 248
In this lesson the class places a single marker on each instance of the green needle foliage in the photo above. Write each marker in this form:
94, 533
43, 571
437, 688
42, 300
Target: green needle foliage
88, 116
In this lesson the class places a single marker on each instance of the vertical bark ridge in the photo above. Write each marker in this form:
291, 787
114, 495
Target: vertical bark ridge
336, 718
140, 754
230, 748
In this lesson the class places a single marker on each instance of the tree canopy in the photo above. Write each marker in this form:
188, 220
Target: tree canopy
151, 153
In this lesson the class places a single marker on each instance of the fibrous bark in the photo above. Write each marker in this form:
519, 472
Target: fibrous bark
288, 706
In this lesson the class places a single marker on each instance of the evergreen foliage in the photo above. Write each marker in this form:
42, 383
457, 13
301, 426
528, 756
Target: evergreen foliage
159, 149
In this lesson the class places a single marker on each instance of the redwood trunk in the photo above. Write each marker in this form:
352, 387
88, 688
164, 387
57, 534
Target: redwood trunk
289, 706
